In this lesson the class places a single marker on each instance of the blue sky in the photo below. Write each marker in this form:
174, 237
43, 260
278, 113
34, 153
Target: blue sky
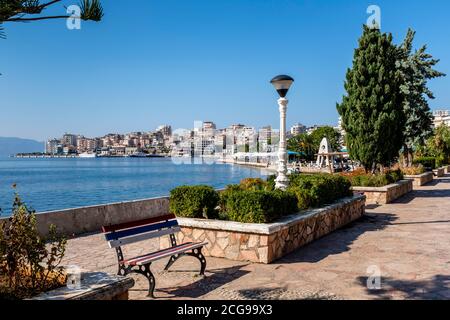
151, 62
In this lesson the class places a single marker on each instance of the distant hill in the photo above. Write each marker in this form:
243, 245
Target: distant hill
11, 146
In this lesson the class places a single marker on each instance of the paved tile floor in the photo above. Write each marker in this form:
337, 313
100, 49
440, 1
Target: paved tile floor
408, 242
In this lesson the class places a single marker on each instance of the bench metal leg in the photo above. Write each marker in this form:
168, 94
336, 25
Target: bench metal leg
143, 270
172, 261
197, 253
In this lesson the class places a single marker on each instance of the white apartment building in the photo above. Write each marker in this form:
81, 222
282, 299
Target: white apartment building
165, 129
297, 129
441, 117
69, 140
53, 146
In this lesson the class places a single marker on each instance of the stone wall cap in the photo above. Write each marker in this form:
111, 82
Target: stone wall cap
264, 229
425, 174
92, 284
382, 189
101, 205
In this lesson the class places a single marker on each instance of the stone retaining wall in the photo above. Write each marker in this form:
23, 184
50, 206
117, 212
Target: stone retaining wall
439, 172
94, 286
264, 243
387, 194
421, 179
82, 220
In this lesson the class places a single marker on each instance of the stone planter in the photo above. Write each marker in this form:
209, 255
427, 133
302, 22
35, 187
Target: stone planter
421, 179
264, 243
386, 194
94, 286
447, 169
439, 172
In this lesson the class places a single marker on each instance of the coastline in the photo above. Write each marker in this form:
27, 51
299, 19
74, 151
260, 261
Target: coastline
263, 166
76, 182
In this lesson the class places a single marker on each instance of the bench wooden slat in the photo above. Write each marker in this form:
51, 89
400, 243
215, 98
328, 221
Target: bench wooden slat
132, 224
138, 230
143, 236
164, 253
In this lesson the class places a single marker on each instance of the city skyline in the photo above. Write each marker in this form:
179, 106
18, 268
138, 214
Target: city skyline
134, 70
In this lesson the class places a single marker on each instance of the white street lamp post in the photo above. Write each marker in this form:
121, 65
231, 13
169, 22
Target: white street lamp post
282, 84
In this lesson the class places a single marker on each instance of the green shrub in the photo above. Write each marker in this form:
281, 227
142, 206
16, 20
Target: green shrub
194, 202
413, 171
258, 206
427, 162
253, 184
376, 180
271, 182
305, 199
318, 189
440, 161
230, 189
29, 263
394, 176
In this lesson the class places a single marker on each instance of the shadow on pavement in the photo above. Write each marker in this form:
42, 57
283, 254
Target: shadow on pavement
215, 279
437, 288
340, 240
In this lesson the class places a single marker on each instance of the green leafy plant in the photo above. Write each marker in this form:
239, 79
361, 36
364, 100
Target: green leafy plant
427, 162
194, 202
371, 110
417, 68
32, 10
253, 184
318, 189
376, 180
259, 206
413, 171
91, 10
29, 263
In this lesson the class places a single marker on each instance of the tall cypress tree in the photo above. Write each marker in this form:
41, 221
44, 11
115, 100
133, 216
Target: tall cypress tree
417, 69
371, 111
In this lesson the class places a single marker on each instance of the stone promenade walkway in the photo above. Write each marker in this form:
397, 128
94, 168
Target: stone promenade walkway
408, 242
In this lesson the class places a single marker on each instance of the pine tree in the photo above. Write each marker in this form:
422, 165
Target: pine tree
416, 69
34, 10
371, 110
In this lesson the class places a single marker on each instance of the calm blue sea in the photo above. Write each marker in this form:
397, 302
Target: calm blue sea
53, 184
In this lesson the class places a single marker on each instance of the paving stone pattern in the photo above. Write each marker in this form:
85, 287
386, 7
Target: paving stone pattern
408, 241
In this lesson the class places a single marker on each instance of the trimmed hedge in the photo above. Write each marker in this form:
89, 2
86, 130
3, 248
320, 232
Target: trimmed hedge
256, 201
427, 162
318, 189
253, 184
413, 171
378, 180
258, 206
194, 202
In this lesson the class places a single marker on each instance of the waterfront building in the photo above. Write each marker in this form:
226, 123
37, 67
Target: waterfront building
220, 142
165, 129
117, 150
69, 140
131, 150
265, 139
86, 144
53, 146
69, 149
441, 117
209, 125
297, 129
310, 130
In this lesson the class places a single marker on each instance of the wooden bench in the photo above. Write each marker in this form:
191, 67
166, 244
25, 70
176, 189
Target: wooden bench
131, 232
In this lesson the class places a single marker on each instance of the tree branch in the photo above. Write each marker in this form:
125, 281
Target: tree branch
42, 6
36, 18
